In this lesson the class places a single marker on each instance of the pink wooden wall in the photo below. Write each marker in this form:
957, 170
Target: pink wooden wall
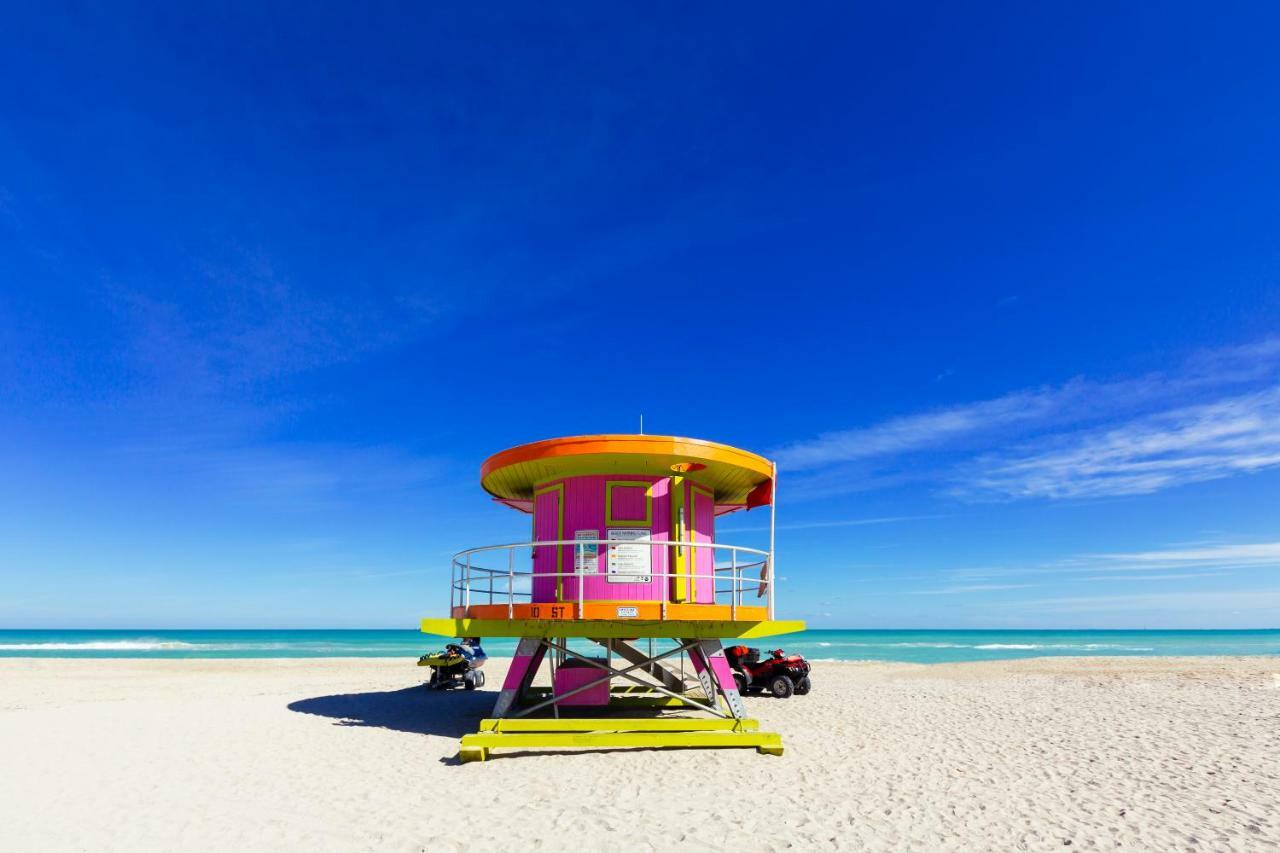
584, 509
703, 520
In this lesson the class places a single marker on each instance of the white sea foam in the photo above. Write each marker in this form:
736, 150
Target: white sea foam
929, 645
101, 646
158, 645
1081, 646
900, 645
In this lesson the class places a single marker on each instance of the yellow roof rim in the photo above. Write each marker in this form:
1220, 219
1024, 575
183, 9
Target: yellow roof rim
731, 473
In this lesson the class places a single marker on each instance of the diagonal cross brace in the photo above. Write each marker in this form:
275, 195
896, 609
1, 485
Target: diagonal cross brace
623, 673
631, 654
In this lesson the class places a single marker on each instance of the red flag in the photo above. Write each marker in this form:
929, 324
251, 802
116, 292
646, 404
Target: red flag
761, 495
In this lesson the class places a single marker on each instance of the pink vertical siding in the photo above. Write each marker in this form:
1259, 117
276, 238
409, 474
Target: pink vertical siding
546, 525
584, 509
703, 517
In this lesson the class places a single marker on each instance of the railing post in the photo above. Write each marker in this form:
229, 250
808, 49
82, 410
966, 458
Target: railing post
577, 562
453, 583
734, 595
466, 588
693, 569
511, 583
773, 516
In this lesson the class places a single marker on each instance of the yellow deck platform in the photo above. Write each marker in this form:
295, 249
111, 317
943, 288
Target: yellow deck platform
611, 628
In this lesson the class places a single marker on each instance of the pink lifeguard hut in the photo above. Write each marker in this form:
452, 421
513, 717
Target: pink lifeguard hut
623, 555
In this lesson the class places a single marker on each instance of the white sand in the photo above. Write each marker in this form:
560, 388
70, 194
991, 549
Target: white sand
1147, 754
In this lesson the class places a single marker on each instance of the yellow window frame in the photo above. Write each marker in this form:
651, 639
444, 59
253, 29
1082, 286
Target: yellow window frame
610, 521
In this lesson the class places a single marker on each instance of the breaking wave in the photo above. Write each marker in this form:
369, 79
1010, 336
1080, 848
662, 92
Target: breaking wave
103, 646
995, 646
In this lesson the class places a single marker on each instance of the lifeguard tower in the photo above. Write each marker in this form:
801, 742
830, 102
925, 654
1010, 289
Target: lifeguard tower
623, 555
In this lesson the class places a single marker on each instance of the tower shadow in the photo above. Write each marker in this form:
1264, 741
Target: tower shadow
413, 710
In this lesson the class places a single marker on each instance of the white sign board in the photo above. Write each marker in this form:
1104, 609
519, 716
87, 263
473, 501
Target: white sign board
630, 563
586, 557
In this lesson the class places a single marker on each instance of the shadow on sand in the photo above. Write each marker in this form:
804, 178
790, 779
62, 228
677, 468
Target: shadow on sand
415, 710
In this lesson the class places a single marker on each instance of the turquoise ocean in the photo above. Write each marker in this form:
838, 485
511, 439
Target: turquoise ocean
911, 646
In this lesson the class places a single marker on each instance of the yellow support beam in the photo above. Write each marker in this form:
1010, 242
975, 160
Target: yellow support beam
623, 700
475, 747
618, 724
650, 701
604, 629
616, 691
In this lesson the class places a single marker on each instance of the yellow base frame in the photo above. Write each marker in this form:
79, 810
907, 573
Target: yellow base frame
522, 733
605, 629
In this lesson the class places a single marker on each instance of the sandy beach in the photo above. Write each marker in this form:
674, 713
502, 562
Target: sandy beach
352, 754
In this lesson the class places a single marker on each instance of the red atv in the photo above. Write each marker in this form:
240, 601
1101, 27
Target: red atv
781, 674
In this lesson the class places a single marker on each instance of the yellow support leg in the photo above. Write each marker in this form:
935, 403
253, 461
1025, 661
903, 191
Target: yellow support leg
472, 753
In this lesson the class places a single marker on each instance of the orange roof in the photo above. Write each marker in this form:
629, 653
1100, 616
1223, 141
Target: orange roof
730, 473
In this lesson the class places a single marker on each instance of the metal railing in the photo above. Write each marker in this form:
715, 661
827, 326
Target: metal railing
737, 570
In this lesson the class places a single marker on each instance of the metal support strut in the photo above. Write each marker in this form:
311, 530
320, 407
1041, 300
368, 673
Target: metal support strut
512, 726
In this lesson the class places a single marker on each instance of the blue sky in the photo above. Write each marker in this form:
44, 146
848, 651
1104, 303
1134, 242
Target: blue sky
999, 287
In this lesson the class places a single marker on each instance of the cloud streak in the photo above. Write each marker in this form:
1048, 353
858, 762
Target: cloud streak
1240, 435
297, 477
1175, 563
845, 522
977, 587
1248, 554
1263, 602
249, 324
1217, 415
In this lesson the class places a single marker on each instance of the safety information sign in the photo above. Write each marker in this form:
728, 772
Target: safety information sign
630, 562
586, 557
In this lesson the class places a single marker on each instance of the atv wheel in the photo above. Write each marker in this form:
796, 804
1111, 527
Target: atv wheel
469, 681
479, 679
740, 681
803, 685
781, 687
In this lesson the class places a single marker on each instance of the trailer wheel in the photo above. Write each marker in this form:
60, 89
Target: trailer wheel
740, 681
781, 687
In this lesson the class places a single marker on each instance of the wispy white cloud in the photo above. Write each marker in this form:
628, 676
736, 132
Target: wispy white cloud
1245, 554
1153, 577
977, 587
1168, 563
248, 323
931, 429
1083, 438
1263, 602
844, 522
295, 476
1186, 445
